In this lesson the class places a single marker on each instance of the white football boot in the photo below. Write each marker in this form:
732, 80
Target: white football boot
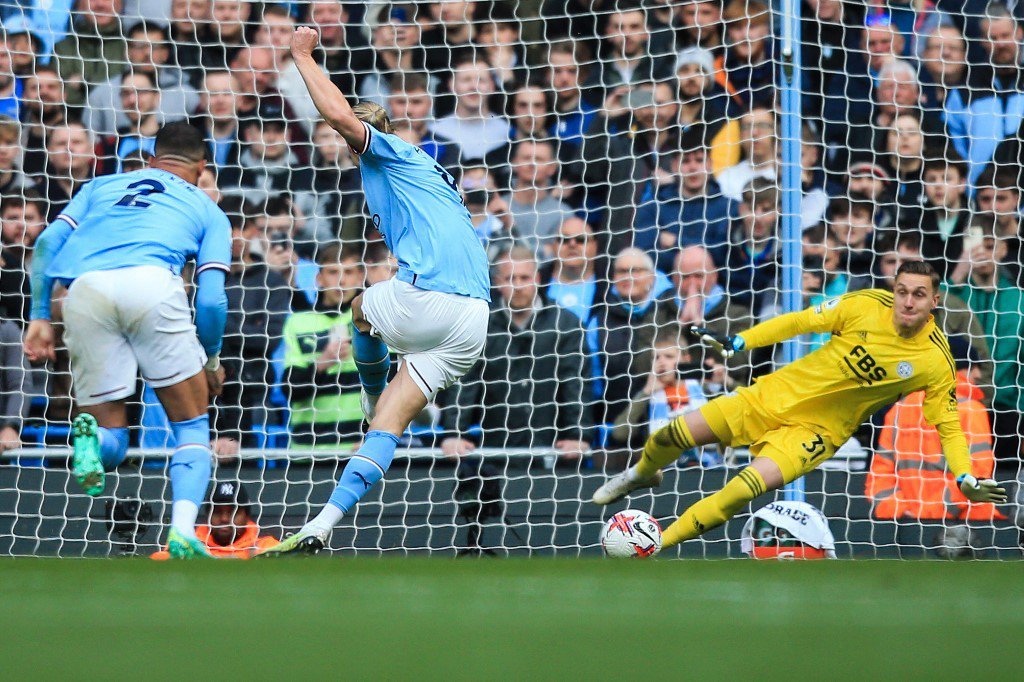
617, 487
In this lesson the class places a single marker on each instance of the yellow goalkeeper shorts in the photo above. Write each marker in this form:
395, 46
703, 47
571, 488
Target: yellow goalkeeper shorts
738, 422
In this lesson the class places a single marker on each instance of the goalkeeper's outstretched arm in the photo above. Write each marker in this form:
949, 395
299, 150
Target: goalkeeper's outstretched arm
329, 100
769, 332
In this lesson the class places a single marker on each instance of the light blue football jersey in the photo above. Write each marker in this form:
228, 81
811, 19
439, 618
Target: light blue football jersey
146, 217
417, 207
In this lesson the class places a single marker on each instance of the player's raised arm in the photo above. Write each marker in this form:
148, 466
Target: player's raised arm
329, 100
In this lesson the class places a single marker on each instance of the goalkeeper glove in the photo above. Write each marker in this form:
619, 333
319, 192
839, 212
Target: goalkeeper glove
726, 345
985, 490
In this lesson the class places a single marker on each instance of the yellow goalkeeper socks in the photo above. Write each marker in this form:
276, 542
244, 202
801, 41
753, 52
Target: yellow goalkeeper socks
664, 446
714, 510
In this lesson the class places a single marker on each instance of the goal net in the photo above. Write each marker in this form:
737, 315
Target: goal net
622, 163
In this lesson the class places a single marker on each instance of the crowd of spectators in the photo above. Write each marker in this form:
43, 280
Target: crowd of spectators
621, 161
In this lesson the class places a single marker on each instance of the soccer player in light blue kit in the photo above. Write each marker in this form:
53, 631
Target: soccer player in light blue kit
433, 313
119, 248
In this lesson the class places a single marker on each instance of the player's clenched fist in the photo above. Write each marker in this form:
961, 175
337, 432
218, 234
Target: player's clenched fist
304, 41
39, 341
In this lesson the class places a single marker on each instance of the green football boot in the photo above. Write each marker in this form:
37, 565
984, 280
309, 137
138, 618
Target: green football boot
181, 547
303, 543
86, 464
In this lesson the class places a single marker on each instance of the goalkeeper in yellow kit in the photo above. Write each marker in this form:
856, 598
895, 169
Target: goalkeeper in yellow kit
884, 345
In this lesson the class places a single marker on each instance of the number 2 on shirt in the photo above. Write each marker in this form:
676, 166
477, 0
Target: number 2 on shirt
148, 187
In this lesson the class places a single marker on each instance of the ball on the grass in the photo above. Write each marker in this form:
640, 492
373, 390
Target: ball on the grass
631, 534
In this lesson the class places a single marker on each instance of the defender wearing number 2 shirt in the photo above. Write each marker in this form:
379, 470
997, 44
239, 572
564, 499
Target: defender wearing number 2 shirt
119, 248
433, 313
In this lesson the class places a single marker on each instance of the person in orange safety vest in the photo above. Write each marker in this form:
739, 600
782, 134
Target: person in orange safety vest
908, 477
231, 532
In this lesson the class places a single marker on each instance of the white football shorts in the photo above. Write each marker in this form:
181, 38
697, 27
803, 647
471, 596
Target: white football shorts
439, 335
117, 322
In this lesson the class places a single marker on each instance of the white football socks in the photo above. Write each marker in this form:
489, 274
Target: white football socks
325, 521
183, 517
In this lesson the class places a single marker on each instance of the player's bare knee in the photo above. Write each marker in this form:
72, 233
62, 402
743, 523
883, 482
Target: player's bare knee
699, 428
358, 320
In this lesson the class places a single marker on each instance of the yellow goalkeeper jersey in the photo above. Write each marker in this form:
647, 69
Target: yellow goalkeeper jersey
865, 366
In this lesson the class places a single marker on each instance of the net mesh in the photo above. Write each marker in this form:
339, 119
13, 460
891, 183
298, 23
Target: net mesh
632, 150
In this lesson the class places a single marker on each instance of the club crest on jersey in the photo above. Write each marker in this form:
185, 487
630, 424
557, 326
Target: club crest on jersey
827, 305
904, 369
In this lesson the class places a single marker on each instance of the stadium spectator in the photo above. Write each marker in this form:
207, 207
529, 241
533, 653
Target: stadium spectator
411, 106
43, 110
320, 379
628, 56
830, 33
754, 253
908, 477
448, 38
945, 212
71, 152
627, 154
999, 196
227, 33
190, 28
529, 112
275, 32
25, 46
533, 203
148, 52
14, 386
759, 150
573, 113
944, 64
396, 50
850, 225
256, 76
258, 303
999, 306
990, 106
676, 384
488, 212
13, 181
499, 44
217, 118
288, 249
140, 101
706, 109
848, 98
94, 51
746, 67
267, 164
473, 126
230, 532
689, 211
22, 219
571, 278
347, 57
10, 88
697, 298
625, 331
700, 24
533, 348
336, 202
874, 182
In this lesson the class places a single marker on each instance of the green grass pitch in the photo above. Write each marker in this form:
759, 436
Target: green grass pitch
418, 618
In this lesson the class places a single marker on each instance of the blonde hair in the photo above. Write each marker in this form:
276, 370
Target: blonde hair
375, 115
